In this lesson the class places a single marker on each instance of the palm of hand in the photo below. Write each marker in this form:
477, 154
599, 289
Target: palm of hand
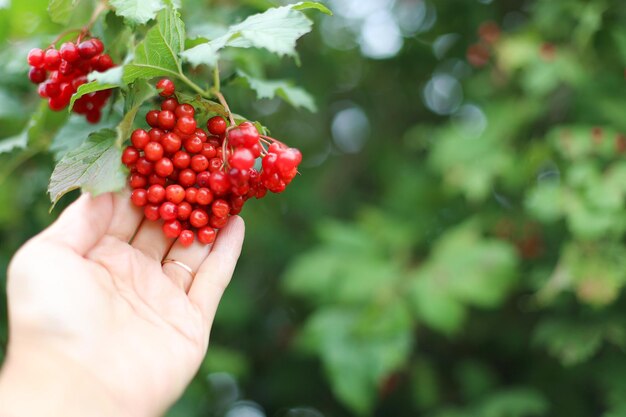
109, 305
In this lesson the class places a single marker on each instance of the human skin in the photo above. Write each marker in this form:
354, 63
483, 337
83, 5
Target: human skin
97, 326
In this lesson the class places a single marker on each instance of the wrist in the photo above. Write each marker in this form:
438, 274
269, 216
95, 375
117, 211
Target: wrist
42, 382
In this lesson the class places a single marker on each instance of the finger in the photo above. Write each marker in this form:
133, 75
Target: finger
83, 223
151, 241
126, 217
215, 272
191, 256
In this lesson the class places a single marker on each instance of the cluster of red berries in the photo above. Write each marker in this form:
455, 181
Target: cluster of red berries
195, 180
60, 72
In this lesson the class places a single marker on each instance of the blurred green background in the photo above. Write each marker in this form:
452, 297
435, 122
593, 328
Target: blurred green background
455, 244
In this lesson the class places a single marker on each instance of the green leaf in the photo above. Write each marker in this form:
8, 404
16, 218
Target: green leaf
37, 130
359, 349
293, 95
94, 167
19, 141
99, 81
436, 307
276, 30
61, 10
305, 5
139, 92
157, 54
74, 133
514, 402
572, 342
137, 11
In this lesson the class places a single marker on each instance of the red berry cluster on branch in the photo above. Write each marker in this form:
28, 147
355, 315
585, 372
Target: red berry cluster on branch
195, 180
60, 72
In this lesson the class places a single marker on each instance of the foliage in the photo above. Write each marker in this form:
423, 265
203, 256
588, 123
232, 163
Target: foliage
455, 243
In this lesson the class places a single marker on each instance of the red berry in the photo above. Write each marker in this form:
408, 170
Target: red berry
199, 163
105, 62
137, 181
242, 159
130, 156
167, 120
187, 125
184, 110
288, 160
35, 58
169, 104
193, 144
87, 49
218, 222
139, 197
187, 177
191, 195
219, 182
166, 86
152, 117
186, 238
156, 179
215, 164
204, 196
37, 75
156, 194
208, 150
151, 211
172, 228
181, 160
250, 134
199, 218
156, 134
168, 211
206, 235
153, 151
171, 142
164, 167
184, 211
51, 59
175, 193
220, 208
97, 43
143, 166
216, 125
140, 138
69, 52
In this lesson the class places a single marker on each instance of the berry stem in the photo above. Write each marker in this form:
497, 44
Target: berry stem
223, 102
216, 78
62, 35
268, 138
101, 7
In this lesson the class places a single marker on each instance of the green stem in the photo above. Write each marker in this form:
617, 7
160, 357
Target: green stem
195, 87
216, 78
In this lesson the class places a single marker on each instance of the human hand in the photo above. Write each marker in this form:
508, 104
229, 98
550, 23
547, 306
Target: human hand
97, 325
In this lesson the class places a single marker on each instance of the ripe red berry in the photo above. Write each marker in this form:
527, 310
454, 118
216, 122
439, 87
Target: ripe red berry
181, 159
139, 197
143, 166
167, 120
166, 86
137, 181
172, 228
184, 211
171, 142
51, 59
169, 104
164, 167
152, 118
208, 150
288, 160
199, 218
156, 179
168, 211
37, 75
156, 194
187, 125
69, 52
193, 144
187, 177
191, 195
151, 212
98, 45
184, 110
216, 125
206, 235
220, 208
199, 163
218, 222
87, 49
35, 58
140, 138
219, 182
156, 134
130, 156
186, 238
204, 196
175, 193
242, 159
153, 151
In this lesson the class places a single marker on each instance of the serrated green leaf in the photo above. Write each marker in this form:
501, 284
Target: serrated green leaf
157, 54
139, 92
99, 81
60, 11
276, 30
95, 167
74, 133
137, 11
293, 95
305, 5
